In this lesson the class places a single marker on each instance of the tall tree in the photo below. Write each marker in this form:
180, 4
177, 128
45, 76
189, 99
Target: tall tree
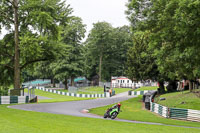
174, 34
141, 62
36, 29
178, 39
72, 35
114, 52
98, 42
117, 54
69, 63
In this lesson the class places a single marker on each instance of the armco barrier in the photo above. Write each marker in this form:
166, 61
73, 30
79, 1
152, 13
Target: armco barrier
159, 109
136, 93
13, 99
107, 94
193, 115
176, 113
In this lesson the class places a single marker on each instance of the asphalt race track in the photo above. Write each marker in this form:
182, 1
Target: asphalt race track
74, 108
79, 108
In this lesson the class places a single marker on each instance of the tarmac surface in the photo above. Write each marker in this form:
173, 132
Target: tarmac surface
74, 108
80, 108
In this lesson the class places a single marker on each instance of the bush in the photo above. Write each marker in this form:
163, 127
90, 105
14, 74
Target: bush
3, 91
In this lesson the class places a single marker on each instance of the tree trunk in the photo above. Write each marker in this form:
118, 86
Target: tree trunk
190, 86
72, 80
172, 86
53, 82
66, 86
194, 85
161, 87
100, 64
17, 56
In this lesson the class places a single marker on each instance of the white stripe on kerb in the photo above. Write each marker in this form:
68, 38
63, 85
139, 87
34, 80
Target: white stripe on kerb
193, 111
5, 100
150, 106
21, 99
156, 108
194, 115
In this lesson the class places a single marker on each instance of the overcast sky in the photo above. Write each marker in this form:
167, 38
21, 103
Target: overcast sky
93, 11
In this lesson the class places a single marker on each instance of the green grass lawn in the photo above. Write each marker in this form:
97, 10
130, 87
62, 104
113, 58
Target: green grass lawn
61, 98
17, 121
133, 110
55, 97
146, 88
184, 99
121, 90
88, 90
98, 90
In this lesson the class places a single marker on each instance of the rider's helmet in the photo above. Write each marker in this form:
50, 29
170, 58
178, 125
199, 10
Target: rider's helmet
118, 104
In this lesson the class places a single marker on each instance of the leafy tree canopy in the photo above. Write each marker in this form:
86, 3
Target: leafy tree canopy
39, 23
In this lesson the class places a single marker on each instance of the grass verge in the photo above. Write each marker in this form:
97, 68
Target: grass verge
98, 90
55, 97
183, 99
146, 88
121, 90
133, 110
18, 121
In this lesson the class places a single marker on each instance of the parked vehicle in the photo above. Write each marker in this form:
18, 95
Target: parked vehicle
113, 111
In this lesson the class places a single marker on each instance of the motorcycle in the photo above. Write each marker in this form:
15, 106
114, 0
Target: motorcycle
113, 112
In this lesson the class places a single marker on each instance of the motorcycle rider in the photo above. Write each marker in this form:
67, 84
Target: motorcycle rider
115, 113
118, 105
